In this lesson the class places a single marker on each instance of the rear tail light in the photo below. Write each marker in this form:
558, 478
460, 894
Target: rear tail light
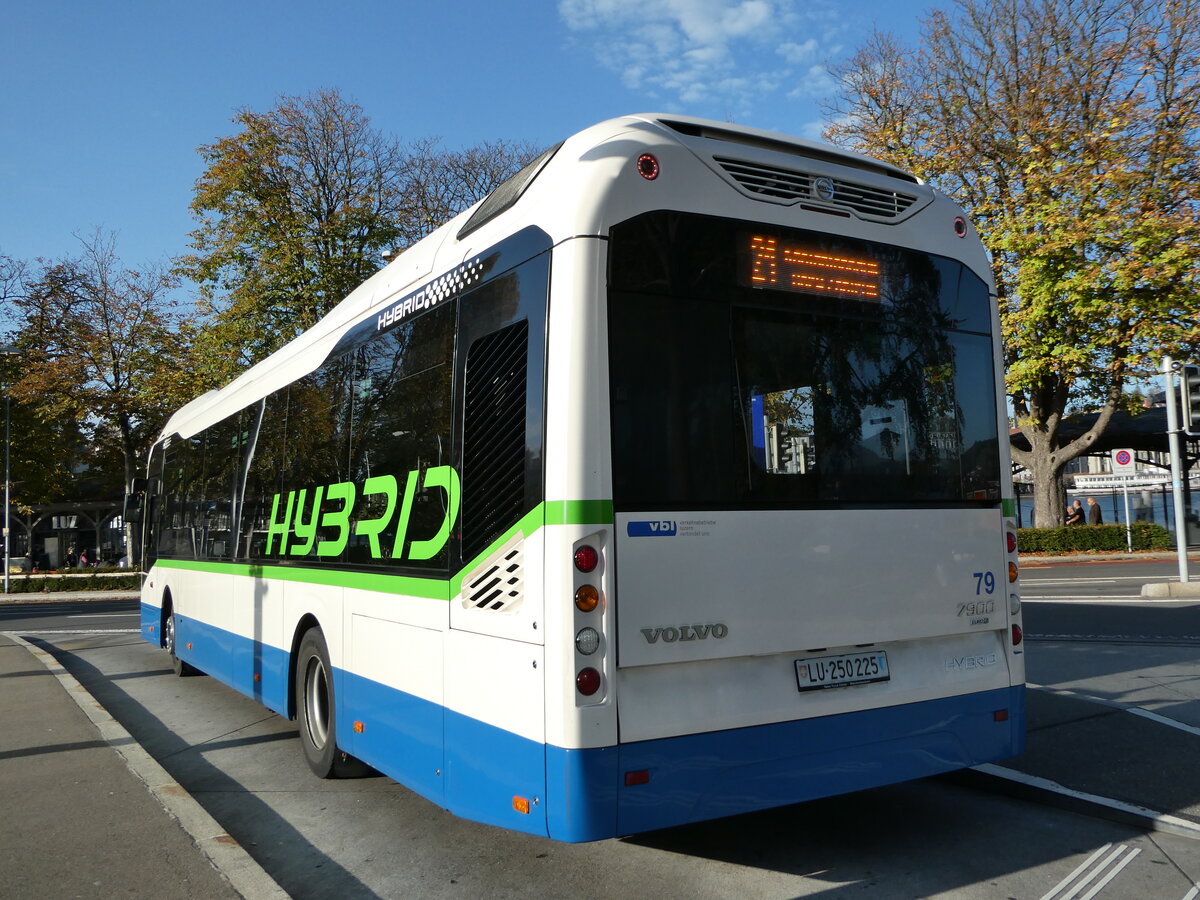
587, 681
1017, 636
586, 558
1012, 543
1012, 572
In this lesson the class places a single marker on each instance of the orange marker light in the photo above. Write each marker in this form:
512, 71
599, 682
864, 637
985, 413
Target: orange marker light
587, 598
521, 805
359, 727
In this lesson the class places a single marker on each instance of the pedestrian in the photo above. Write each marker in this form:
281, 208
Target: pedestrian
1095, 516
84, 559
1075, 514
70, 560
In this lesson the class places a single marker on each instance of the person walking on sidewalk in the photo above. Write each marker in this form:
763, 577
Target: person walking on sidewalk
1075, 513
1095, 516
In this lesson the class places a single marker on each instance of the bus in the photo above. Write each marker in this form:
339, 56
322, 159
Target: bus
667, 483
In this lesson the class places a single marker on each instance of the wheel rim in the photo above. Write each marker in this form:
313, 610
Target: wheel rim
169, 634
316, 702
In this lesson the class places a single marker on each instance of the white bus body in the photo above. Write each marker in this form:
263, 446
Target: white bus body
760, 378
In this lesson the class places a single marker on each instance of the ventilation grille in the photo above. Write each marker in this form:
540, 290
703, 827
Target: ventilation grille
498, 585
493, 463
787, 184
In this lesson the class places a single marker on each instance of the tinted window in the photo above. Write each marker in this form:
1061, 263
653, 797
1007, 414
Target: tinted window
755, 369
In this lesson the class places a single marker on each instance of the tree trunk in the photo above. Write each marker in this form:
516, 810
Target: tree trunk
1045, 466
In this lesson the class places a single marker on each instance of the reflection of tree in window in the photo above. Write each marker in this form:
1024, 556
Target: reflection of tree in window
401, 422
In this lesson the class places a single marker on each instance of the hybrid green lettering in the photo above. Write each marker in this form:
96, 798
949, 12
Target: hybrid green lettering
320, 518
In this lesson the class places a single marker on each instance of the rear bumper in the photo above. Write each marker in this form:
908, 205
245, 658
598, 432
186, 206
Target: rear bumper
707, 776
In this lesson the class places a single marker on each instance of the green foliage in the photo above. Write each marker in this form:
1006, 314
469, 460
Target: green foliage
297, 209
97, 344
1093, 538
1069, 130
98, 580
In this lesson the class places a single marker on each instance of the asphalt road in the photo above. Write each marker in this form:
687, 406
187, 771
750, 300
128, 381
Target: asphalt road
1103, 580
933, 838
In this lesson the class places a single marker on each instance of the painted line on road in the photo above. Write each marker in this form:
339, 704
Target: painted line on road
1117, 598
120, 615
1150, 819
1117, 704
44, 631
227, 856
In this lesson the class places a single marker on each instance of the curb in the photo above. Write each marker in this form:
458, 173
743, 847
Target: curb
227, 856
1171, 590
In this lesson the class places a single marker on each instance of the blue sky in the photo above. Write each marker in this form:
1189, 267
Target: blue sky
102, 105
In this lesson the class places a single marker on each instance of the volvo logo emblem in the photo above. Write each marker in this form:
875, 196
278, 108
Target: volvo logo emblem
823, 188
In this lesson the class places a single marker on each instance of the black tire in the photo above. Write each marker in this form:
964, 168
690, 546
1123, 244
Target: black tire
316, 712
182, 669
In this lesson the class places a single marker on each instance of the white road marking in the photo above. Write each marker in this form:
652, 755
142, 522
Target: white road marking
44, 631
1156, 821
1092, 597
1117, 704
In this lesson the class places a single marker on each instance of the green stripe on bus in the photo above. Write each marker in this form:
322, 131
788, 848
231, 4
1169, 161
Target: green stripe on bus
554, 512
579, 512
1009, 507
380, 582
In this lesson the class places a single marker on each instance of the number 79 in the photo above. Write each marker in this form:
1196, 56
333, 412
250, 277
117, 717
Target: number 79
985, 583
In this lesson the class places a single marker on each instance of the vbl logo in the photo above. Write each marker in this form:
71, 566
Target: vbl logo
652, 529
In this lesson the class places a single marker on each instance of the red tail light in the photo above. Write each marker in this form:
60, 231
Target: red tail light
1012, 543
1017, 636
587, 681
586, 558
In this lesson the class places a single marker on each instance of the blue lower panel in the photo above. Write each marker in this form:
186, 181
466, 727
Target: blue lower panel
402, 734
711, 775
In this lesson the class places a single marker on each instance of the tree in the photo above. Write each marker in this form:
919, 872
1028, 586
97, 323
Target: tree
1069, 130
298, 208
101, 351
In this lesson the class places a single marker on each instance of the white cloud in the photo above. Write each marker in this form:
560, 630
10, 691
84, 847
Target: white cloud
707, 55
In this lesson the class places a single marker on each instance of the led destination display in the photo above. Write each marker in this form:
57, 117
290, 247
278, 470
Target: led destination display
796, 266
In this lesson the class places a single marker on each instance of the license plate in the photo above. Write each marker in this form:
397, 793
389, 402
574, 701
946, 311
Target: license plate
820, 672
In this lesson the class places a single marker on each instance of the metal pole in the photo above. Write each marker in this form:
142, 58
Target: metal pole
1176, 467
7, 480
1128, 529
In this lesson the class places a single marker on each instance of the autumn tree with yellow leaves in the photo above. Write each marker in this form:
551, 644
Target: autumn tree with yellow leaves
1070, 132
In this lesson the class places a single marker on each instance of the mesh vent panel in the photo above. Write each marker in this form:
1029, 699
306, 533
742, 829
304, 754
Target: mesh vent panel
493, 462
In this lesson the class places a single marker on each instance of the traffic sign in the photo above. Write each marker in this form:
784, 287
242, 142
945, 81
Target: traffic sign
1123, 462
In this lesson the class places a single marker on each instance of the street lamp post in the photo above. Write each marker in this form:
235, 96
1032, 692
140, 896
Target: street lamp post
7, 350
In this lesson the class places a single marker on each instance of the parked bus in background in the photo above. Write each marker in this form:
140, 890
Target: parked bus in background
669, 482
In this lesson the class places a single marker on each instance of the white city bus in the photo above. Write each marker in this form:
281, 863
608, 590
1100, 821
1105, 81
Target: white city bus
669, 482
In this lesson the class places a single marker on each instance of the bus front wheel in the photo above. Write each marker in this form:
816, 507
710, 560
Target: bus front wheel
315, 711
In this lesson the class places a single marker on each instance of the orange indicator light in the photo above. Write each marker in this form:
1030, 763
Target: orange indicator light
521, 805
359, 727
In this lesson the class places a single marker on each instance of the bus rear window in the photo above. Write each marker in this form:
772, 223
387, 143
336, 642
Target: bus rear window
752, 375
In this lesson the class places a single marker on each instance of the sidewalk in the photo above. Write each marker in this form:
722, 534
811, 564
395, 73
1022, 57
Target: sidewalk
78, 821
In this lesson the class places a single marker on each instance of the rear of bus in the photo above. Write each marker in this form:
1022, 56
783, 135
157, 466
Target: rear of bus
809, 583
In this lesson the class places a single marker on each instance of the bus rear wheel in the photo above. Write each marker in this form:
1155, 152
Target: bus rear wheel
316, 712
